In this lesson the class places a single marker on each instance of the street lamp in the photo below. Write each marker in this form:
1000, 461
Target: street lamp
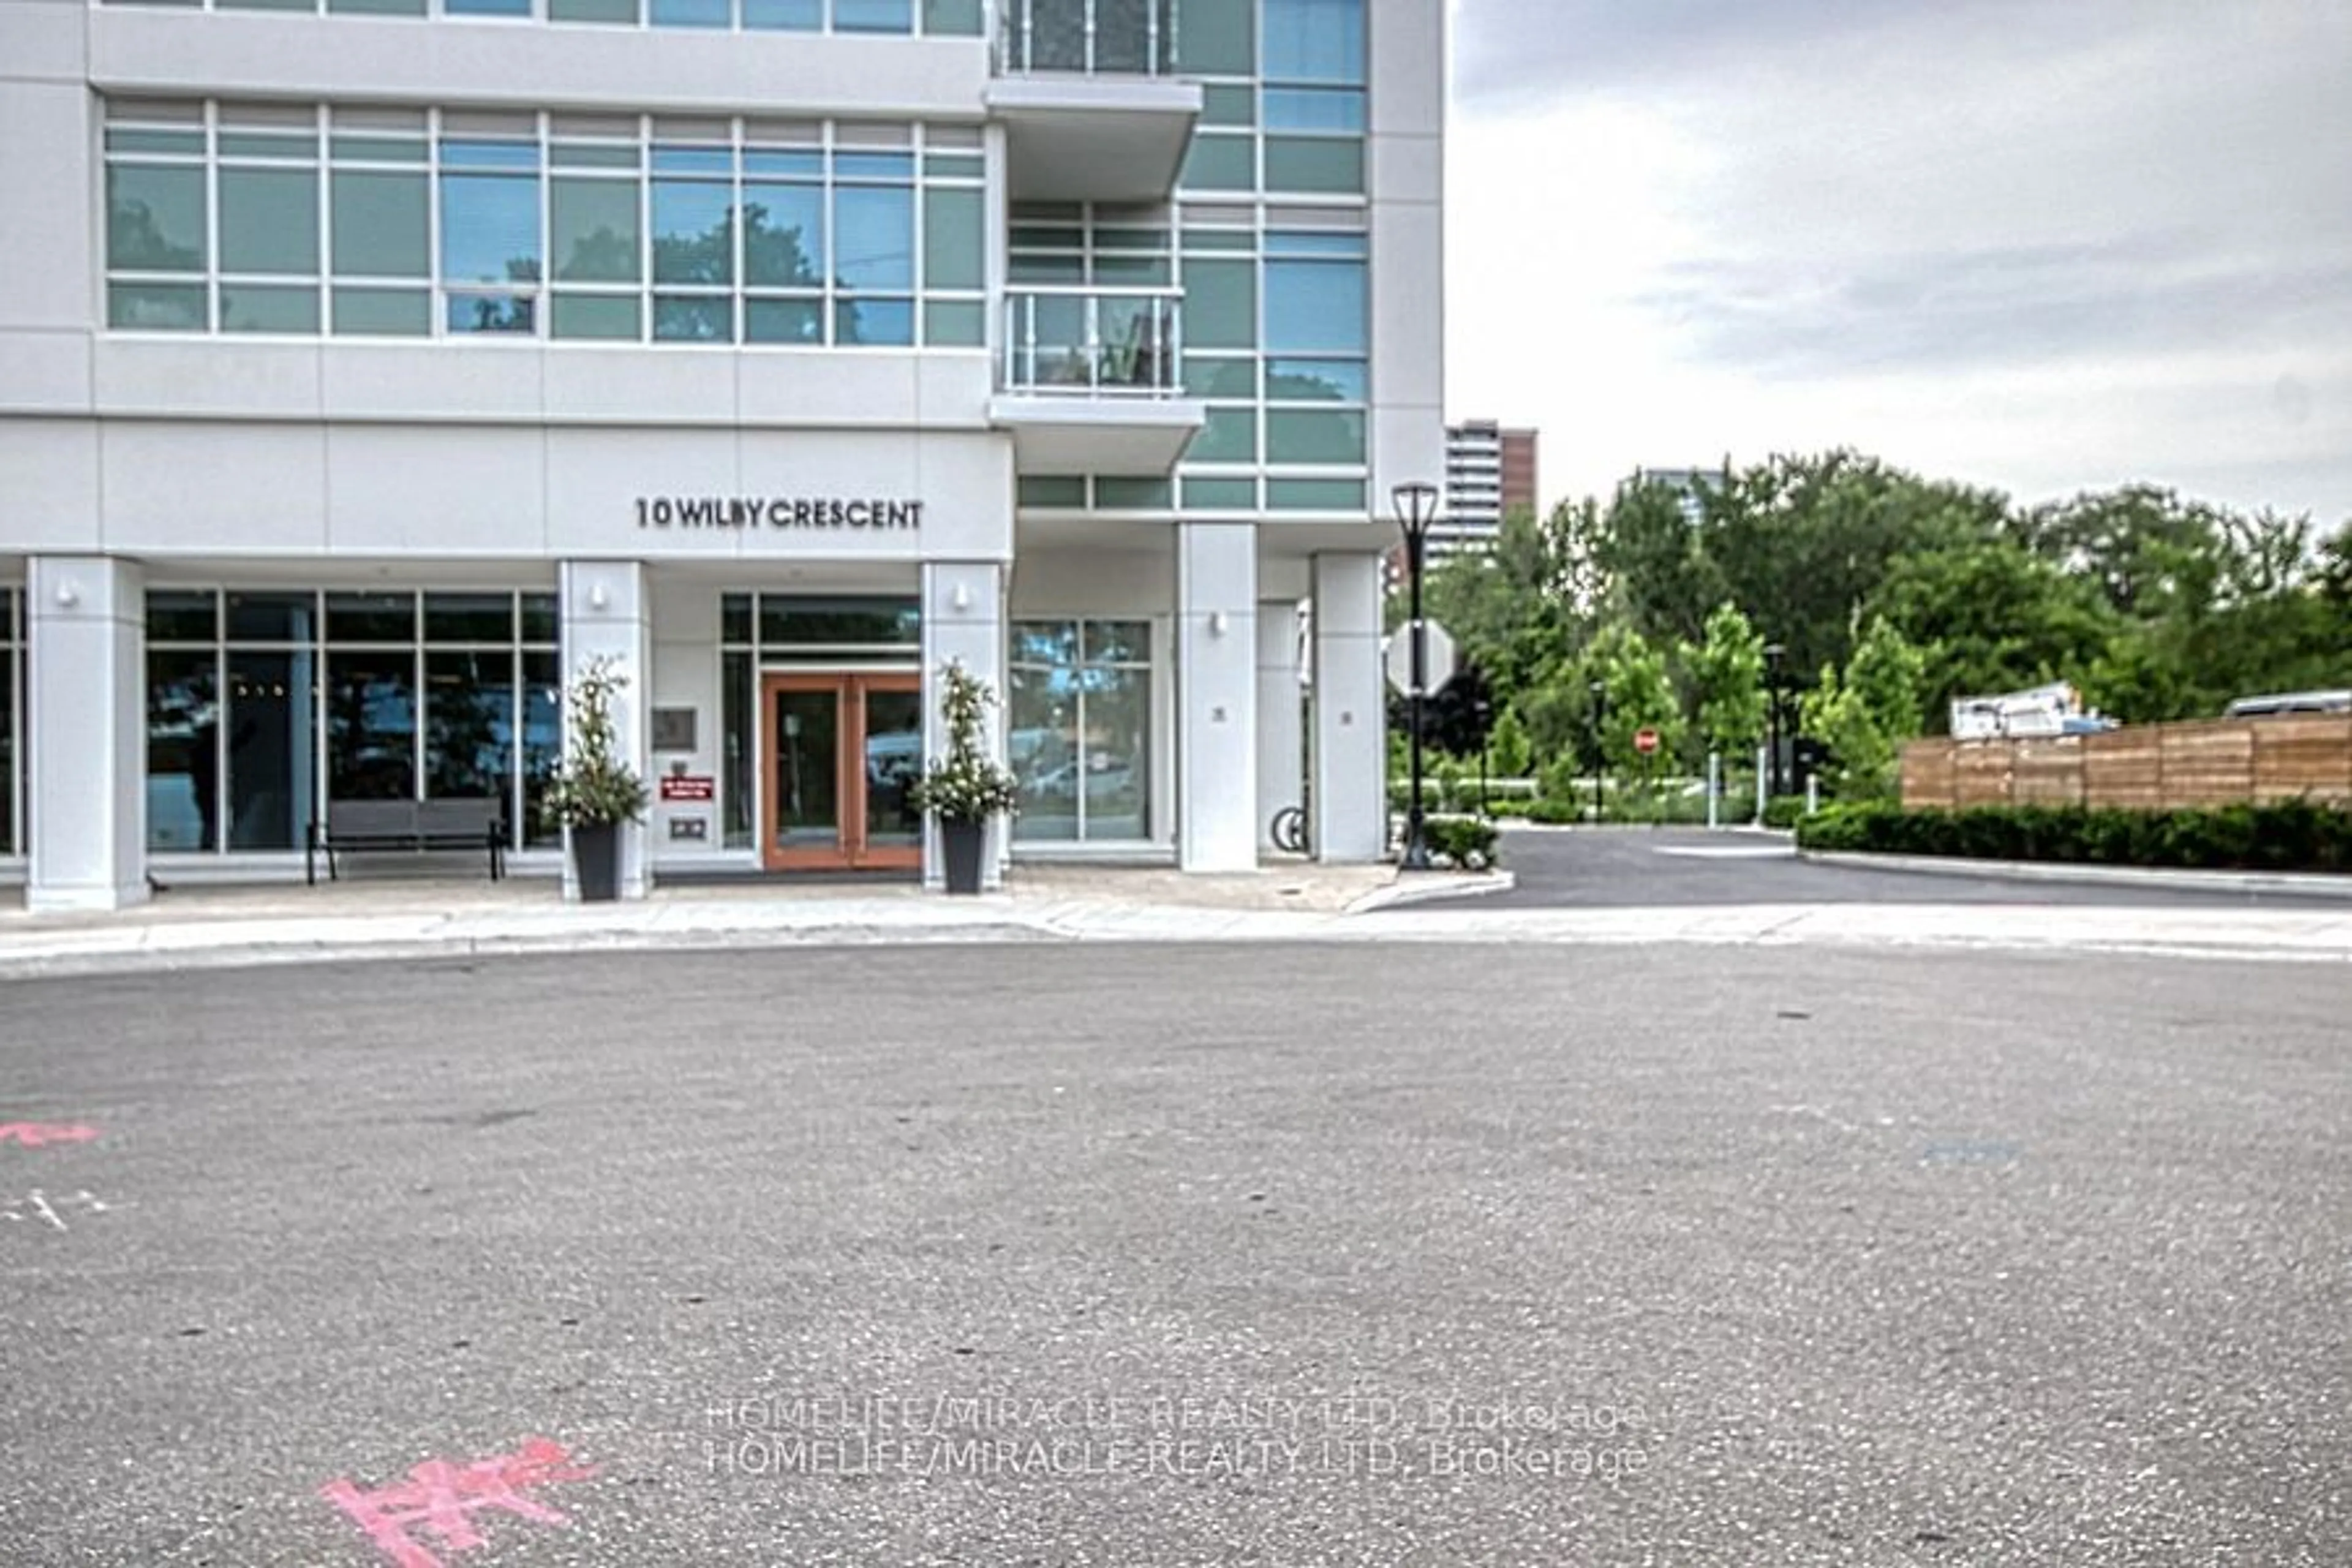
1599, 692
1771, 783
1415, 504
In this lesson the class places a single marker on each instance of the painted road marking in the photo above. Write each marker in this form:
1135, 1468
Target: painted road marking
40, 1208
442, 1498
1729, 852
34, 1134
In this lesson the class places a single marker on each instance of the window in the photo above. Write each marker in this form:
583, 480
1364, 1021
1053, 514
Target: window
1312, 109
1079, 729
937, 19
264, 705
412, 223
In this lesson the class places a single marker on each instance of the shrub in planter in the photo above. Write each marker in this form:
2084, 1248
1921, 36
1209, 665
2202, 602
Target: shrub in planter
595, 791
1466, 841
967, 788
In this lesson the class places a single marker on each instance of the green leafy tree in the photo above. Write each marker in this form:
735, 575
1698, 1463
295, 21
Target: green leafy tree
1640, 696
1726, 674
1513, 755
1865, 716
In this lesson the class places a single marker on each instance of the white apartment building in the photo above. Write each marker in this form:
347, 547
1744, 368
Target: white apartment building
1489, 470
370, 367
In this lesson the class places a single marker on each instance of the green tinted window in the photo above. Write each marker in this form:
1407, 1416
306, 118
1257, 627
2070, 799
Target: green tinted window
1220, 304
1052, 490
155, 218
1314, 435
593, 224
953, 243
952, 18
258, 308
383, 312
270, 221
1315, 495
596, 316
955, 324
1134, 495
1230, 436
1220, 163
1316, 164
380, 225
1220, 495
1218, 38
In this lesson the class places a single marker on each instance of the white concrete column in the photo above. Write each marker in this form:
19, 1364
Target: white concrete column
963, 623
607, 614
1351, 711
1281, 725
1216, 675
86, 724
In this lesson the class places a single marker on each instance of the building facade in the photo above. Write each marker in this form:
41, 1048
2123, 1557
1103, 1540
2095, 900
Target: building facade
1490, 472
370, 368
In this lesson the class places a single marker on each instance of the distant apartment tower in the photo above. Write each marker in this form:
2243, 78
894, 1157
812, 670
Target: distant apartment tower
1489, 472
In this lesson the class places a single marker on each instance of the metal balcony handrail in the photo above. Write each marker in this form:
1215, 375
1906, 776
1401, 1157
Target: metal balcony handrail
1035, 36
1125, 342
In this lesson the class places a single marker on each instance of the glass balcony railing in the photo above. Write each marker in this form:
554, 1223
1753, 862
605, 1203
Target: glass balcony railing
1086, 37
1093, 343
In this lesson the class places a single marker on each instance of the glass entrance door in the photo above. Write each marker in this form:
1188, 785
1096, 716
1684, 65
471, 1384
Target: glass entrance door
843, 752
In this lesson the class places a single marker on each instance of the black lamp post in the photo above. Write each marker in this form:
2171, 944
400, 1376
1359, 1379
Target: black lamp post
1771, 783
1416, 507
1599, 692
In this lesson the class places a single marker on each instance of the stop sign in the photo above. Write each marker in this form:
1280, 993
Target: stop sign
1646, 741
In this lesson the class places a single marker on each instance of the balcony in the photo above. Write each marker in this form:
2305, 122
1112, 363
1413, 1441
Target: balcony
1085, 91
1089, 383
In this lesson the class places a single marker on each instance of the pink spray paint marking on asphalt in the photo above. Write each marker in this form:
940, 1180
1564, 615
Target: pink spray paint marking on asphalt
442, 1499
33, 1134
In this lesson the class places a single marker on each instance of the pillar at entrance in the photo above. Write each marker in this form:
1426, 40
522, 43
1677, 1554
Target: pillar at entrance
86, 722
1216, 664
1281, 719
1351, 809
607, 614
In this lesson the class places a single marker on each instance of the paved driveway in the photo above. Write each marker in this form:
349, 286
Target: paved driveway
1282, 1256
1618, 868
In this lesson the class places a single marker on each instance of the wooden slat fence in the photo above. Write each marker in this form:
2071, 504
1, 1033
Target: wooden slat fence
2147, 767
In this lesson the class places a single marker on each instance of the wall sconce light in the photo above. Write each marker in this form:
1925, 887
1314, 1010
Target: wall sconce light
962, 597
1217, 623
69, 595
598, 598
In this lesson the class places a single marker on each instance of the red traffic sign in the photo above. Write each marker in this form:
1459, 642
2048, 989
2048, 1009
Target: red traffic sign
1646, 741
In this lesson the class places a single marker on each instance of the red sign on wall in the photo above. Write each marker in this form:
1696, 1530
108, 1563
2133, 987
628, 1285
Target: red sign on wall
690, 786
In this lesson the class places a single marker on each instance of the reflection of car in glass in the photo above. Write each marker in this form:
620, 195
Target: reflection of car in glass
895, 759
1109, 779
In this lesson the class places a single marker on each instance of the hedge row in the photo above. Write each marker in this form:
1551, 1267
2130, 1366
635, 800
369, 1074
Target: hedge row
2293, 835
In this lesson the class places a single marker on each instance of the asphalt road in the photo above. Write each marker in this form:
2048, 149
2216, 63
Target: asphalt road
1630, 867
1070, 1255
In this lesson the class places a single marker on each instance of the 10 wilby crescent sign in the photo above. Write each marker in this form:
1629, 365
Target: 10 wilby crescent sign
774, 511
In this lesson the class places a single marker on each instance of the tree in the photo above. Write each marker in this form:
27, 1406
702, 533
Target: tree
1992, 617
1865, 716
1512, 753
1641, 697
1727, 678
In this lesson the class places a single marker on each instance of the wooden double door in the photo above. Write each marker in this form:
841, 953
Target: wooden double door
843, 751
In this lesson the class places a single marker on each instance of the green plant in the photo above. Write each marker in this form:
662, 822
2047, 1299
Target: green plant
967, 785
595, 786
1783, 812
1466, 841
2288, 836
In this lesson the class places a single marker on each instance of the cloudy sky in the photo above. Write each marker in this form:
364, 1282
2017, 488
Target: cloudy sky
2040, 245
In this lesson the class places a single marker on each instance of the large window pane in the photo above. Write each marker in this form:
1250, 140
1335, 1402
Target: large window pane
876, 227
156, 307
1313, 41
273, 617
469, 718
372, 725
470, 617
1320, 164
1314, 435
694, 232
1315, 306
607, 316
379, 224
489, 228
1220, 304
383, 312
784, 236
543, 738
784, 16
155, 218
735, 762
873, 15
788, 621
183, 748
594, 230
953, 248
372, 617
272, 757
1217, 38
1042, 745
270, 221
692, 12
183, 615
885, 323
1117, 742
258, 308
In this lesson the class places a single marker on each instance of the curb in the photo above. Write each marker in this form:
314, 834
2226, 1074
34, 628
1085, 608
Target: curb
2294, 884
1439, 887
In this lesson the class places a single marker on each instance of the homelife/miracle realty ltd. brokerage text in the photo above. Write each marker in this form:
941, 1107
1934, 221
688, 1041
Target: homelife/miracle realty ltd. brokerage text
757, 511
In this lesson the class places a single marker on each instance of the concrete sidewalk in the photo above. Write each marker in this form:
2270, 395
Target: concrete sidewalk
387, 919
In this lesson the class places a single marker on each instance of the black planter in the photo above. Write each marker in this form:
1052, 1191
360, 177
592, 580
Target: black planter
963, 843
596, 858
